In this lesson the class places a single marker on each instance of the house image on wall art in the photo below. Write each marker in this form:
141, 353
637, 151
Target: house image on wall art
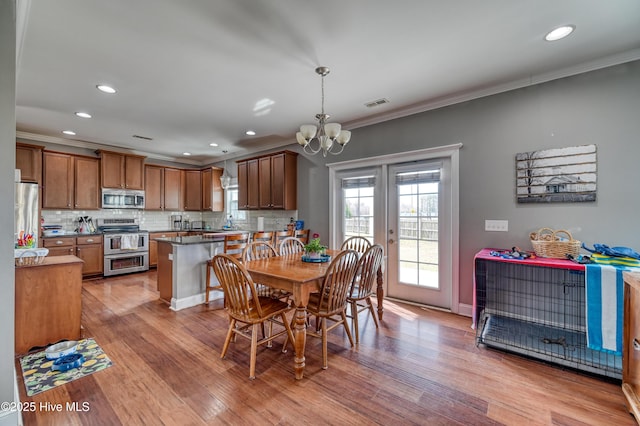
556, 175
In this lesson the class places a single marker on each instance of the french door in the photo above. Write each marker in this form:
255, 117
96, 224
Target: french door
409, 206
419, 236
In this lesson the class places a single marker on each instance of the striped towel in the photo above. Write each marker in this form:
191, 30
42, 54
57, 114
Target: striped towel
613, 260
604, 307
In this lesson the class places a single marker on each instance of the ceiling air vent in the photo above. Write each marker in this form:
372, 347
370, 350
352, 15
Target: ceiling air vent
143, 137
377, 102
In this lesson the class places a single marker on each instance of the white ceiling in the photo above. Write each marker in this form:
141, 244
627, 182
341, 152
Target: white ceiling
193, 72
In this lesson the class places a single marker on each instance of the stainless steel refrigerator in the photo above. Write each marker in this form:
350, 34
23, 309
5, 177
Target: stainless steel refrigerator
27, 220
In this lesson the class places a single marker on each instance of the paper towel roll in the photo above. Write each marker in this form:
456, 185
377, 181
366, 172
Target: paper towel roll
260, 223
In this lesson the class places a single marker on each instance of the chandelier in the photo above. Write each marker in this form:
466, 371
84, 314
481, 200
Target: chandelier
225, 179
327, 135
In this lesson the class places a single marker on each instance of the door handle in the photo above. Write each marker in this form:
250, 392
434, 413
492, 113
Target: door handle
636, 345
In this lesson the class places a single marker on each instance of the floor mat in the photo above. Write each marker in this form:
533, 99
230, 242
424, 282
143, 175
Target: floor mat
39, 377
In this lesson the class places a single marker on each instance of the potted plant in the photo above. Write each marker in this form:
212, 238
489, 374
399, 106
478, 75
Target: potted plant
314, 249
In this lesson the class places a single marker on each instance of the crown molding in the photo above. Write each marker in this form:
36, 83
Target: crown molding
621, 58
95, 146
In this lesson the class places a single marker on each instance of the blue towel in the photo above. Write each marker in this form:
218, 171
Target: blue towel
604, 307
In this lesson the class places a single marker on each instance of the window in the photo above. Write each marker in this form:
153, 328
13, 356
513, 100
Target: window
231, 204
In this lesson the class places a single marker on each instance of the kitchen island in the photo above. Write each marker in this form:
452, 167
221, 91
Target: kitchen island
182, 268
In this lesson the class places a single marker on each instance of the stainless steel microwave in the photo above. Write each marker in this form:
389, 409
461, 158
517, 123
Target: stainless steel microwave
122, 199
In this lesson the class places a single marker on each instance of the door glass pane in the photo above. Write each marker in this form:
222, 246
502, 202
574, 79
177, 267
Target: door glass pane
358, 212
418, 231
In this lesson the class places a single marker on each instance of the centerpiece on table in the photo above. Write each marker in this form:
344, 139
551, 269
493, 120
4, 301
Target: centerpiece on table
315, 252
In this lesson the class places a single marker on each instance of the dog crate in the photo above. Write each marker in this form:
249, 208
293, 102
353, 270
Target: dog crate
537, 311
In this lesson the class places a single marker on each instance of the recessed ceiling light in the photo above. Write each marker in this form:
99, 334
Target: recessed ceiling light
559, 33
213, 144
83, 114
186, 153
250, 133
106, 89
69, 132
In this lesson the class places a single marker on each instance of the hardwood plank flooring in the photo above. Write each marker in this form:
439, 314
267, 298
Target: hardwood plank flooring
421, 367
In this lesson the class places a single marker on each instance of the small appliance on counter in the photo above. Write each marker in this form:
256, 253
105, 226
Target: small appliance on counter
52, 230
198, 225
176, 222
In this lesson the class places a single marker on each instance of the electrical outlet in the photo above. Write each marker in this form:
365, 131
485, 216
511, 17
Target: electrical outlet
496, 225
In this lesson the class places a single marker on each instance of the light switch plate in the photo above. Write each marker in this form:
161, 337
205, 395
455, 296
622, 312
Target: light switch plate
496, 225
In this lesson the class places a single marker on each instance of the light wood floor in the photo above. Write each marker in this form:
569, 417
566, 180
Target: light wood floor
421, 367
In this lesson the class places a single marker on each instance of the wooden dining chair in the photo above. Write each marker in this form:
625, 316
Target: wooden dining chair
279, 236
330, 303
247, 310
359, 298
302, 235
263, 250
290, 245
262, 236
357, 243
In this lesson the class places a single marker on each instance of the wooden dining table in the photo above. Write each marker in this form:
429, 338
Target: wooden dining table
299, 278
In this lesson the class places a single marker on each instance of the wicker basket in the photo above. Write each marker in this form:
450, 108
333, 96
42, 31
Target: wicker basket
26, 257
549, 243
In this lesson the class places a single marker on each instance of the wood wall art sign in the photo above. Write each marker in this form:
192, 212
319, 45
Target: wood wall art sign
556, 175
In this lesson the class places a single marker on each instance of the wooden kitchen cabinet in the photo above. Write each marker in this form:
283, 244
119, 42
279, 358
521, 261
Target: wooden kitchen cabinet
48, 302
277, 186
173, 189
29, 161
248, 178
631, 343
122, 171
153, 187
192, 190
58, 181
86, 183
268, 182
163, 188
212, 192
70, 181
90, 249
60, 246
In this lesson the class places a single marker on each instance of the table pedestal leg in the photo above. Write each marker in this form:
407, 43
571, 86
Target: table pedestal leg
379, 292
300, 336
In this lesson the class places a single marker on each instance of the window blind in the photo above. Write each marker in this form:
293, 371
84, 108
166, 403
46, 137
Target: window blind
359, 182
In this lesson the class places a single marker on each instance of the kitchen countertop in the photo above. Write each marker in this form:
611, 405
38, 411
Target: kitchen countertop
195, 239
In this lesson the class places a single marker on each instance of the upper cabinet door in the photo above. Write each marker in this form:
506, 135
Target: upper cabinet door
87, 183
192, 190
153, 190
112, 169
133, 172
212, 192
57, 174
264, 182
172, 189
29, 161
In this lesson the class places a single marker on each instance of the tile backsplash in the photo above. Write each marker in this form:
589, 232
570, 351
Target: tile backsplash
161, 221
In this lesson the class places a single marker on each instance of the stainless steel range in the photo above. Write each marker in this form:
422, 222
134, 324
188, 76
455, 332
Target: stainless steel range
126, 248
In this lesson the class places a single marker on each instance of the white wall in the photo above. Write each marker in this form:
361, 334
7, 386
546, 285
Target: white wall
599, 107
7, 166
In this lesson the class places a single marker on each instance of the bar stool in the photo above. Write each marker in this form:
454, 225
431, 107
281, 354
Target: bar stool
264, 236
302, 235
234, 244
279, 236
